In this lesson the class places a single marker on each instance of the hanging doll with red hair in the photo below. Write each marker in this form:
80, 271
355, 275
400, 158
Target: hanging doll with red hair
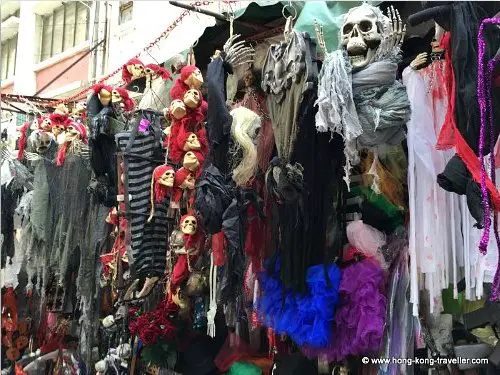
75, 141
184, 185
59, 122
162, 186
155, 94
121, 99
132, 70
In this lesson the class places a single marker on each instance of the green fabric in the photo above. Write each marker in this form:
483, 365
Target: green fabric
244, 368
382, 203
330, 14
450, 304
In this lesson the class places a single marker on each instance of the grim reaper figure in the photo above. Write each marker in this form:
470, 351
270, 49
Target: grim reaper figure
358, 95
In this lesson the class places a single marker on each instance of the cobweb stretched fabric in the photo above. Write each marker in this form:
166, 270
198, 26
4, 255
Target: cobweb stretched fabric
71, 201
359, 322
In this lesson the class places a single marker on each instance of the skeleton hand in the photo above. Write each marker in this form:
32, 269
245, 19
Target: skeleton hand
419, 60
237, 54
398, 30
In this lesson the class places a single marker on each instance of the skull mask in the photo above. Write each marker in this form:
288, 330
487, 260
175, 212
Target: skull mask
248, 78
104, 97
41, 141
189, 225
58, 129
190, 161
176, 241
116, 97
71, 134
192, 143
46, 125
195, 79
188, 183
192, 98
137, 70
177, 109
362, 33
167, 178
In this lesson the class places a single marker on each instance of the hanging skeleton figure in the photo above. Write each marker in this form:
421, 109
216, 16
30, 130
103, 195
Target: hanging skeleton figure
155, 94
359, 96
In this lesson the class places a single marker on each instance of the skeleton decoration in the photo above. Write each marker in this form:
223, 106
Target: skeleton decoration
156, 93
79, 112
121, 98
358, 95
162, 183
191, 78
132, 70
237, 53
153, 71
177, 109
58, 124
368, 35
75, 142
189, 225
244, 130
45, 124
103, 92
40, 141
193, 160
192, 143
184, 181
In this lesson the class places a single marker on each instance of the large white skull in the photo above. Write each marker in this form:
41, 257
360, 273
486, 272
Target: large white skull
362, 33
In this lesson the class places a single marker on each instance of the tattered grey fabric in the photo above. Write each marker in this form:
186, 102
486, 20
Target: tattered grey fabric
382, 104
336, 108
71, 200
289, 71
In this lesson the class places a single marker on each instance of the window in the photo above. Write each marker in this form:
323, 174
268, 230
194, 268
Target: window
8, 53
126, 9
67, 26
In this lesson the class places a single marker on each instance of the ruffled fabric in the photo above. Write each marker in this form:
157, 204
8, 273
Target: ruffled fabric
360, 318
367, 240
306, 319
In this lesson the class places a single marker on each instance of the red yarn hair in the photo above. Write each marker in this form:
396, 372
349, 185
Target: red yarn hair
161, 71
126, 76
160, 191
23, 139
128, 102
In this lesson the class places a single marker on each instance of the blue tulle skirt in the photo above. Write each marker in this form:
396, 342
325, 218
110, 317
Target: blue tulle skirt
306, 319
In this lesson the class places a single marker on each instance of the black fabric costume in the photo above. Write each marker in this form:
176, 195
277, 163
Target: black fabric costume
148, 240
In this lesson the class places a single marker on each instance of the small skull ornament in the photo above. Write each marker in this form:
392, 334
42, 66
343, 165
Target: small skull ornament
192, 99
189, 225
188, 183
195, 79
41, 141
192, 143
176, 241
71, 134
116, 98
46, 124
104, 97
190, 161
167, 178
177, 109
58, 129
136, 70
362, 34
